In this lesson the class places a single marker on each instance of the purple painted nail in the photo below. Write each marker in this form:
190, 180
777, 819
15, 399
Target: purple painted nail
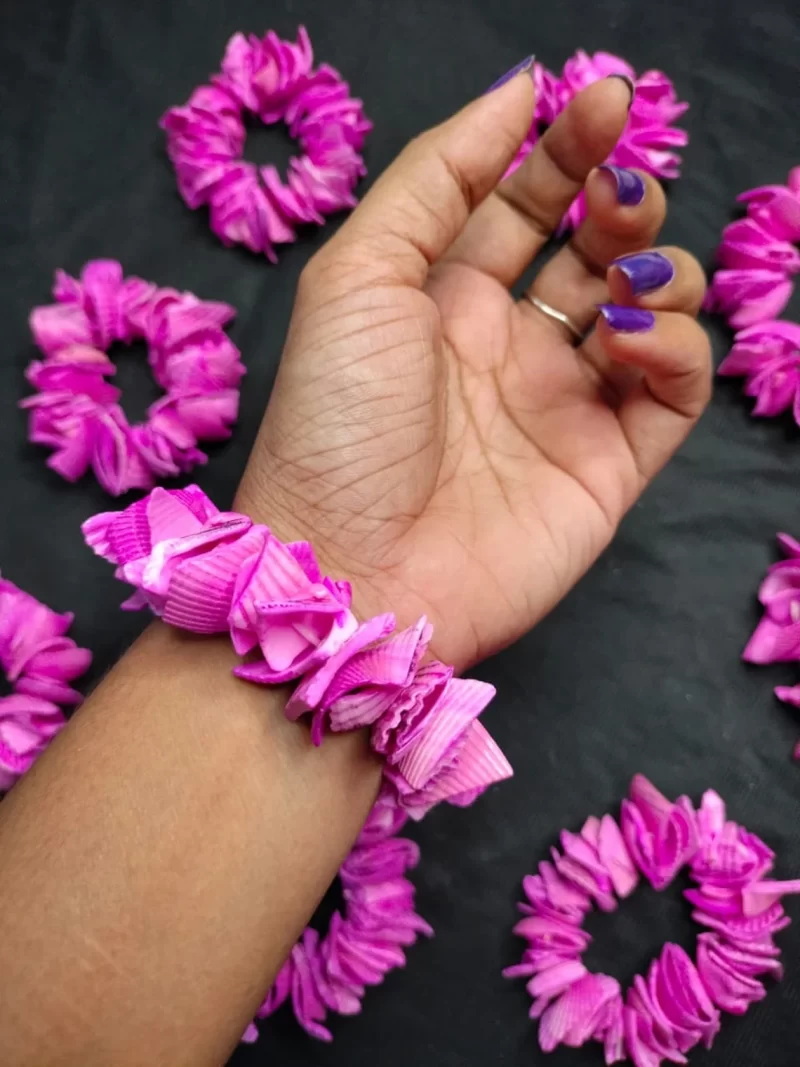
627, 320
630, 187
525, 65
646, 271
631, 86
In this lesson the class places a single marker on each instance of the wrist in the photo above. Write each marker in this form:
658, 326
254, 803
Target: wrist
210, 572
374, 591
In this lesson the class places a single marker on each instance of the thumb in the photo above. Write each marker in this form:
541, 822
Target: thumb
420, 204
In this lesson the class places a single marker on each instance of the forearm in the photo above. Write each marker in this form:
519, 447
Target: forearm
161, 859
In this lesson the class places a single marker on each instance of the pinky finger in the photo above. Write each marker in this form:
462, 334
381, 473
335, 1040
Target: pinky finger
672, 355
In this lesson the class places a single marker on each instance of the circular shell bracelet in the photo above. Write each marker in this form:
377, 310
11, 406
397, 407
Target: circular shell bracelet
208, 571
39, 661
361, 946
274, 80
677, 1004
76, 411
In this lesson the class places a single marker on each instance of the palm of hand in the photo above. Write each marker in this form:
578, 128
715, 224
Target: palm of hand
439, 443
448, 452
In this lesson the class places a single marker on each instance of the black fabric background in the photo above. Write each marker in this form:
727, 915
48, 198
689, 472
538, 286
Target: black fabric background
638, 670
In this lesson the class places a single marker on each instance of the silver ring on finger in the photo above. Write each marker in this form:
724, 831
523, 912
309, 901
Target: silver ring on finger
555, 315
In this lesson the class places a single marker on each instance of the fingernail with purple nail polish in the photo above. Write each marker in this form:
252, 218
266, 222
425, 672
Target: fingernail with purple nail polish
627, 320
646, 271
631, 86
630, 187
520, 68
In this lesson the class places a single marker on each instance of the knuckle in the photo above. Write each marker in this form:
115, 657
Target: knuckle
688, 265
705, 353
419, 146
698, 370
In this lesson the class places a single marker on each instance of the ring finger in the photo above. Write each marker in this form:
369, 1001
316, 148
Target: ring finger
652, 281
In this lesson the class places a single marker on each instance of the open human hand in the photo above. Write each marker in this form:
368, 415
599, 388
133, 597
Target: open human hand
450, 449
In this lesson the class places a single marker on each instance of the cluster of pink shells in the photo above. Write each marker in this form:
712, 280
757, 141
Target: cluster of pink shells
76, 411
776, 639
331, 972
649, 141
275, 80
757, 257
677, 1004
39, 661
758, 260
767, 355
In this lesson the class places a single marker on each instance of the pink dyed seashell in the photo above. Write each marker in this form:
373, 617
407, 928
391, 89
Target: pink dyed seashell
776, 639
768, 357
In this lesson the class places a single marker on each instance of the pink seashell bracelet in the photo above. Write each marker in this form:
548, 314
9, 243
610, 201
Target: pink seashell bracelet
272, 79
75, 410
208, 571
677, 1004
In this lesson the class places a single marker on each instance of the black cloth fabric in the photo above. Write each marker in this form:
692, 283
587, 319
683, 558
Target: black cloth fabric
638, 669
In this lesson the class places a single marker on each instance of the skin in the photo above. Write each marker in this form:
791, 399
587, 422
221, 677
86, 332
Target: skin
442, 445
445, 445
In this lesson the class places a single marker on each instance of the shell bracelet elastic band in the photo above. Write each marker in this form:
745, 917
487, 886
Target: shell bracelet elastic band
677, 1004
208, 571
273, 79
76, 411
39, 661
331, 972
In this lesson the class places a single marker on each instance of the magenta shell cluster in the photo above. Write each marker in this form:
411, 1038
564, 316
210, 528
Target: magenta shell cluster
331, 972
275, 80
758, 260
649, 141
757, 257
776, 639
39, 661
767, 355
218, 572
678, 1003
76, 410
